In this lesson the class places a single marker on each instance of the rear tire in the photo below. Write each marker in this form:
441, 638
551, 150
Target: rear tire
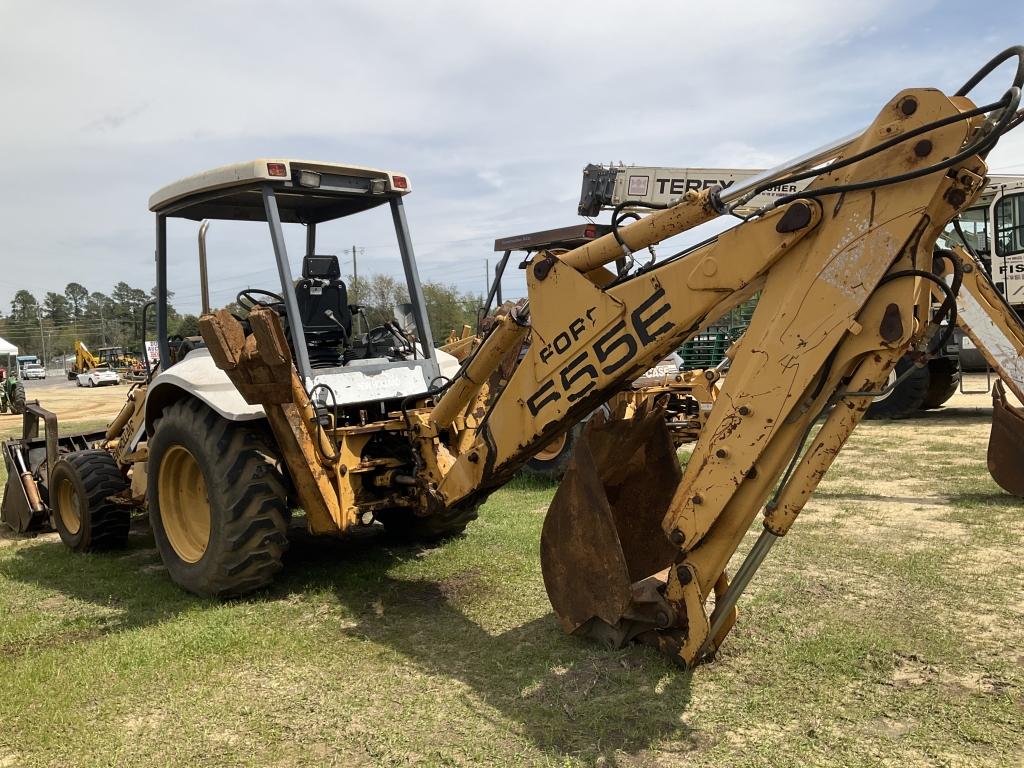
552, 460
216, 502
79, 488
944, 381
908, 396
18, 398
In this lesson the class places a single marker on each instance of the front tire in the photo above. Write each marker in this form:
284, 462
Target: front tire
216, 502
80, 488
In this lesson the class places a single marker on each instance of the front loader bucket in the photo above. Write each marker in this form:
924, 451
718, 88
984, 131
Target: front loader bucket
602, 533
1006, 443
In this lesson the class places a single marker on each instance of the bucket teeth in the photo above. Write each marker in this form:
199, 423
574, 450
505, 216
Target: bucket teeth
1006, 443
602, 533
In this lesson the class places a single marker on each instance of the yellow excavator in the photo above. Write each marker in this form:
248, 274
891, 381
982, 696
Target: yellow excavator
287, 405
85, 361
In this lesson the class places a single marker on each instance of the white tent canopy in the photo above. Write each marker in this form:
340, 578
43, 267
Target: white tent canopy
6, 348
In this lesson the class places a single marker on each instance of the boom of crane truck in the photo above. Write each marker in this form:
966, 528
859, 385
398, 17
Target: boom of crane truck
632, 547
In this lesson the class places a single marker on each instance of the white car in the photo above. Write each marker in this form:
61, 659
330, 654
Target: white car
97, 377
33, 372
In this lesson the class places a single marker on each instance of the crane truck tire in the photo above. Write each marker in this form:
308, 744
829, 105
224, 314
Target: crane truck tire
80, 488
552, 460
944, 381
217, 501
907, 398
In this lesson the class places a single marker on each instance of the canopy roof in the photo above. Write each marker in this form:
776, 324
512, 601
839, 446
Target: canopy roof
307, 191
6, 348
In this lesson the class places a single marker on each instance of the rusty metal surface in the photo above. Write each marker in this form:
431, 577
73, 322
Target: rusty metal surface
603, 531
1006, 443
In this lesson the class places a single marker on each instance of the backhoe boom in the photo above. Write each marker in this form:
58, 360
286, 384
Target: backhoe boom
634, 547
845, 280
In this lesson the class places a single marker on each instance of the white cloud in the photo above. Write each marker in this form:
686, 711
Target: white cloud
493, 109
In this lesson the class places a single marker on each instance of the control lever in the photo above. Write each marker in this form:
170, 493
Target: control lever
329, 314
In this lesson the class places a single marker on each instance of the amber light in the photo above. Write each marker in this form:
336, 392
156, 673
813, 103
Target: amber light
277, 169
400, 182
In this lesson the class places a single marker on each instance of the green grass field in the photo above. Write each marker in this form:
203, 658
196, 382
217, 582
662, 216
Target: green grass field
887, 629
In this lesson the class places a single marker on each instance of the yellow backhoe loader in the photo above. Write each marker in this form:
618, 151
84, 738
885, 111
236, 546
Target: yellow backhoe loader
288, 403
85, 361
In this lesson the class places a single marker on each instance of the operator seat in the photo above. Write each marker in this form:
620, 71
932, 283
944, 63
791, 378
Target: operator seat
323, 309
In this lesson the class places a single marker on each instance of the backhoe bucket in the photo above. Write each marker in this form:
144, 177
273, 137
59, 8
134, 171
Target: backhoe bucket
602, 537
1006, 443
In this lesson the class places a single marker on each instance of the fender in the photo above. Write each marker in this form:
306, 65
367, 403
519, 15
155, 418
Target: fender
197, 376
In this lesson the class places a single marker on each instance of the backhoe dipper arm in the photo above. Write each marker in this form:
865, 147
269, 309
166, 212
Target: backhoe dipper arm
989, 321
844, 273
997, 332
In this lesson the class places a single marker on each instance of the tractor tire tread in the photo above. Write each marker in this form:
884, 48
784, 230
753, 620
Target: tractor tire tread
944, 381
250, 493
18, 398
108, 522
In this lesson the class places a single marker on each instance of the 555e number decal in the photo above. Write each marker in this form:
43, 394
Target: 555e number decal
613, 350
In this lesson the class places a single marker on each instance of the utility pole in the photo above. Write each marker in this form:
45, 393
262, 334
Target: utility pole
42, 339
355, 267
487, 276
103, 326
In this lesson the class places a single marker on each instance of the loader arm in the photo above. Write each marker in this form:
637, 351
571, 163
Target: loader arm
845, 275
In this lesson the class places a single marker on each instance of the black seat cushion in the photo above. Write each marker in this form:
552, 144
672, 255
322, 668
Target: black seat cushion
319, 292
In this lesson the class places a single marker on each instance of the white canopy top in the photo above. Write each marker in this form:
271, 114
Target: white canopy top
6, 348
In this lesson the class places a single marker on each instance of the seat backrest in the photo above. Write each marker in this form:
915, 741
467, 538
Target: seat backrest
321, 290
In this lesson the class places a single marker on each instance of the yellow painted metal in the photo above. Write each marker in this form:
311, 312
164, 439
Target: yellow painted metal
184, 506
633, 324
693, 209
69, 506
506, 334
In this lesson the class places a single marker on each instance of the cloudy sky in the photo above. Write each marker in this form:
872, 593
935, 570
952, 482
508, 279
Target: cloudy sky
491, 109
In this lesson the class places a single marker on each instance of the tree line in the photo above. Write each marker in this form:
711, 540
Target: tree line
51, 326
448, 309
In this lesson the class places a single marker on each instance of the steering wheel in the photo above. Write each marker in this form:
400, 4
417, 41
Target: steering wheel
246, 299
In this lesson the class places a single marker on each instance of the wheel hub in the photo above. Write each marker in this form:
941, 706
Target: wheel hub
552, 449
184, 506
69, 507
